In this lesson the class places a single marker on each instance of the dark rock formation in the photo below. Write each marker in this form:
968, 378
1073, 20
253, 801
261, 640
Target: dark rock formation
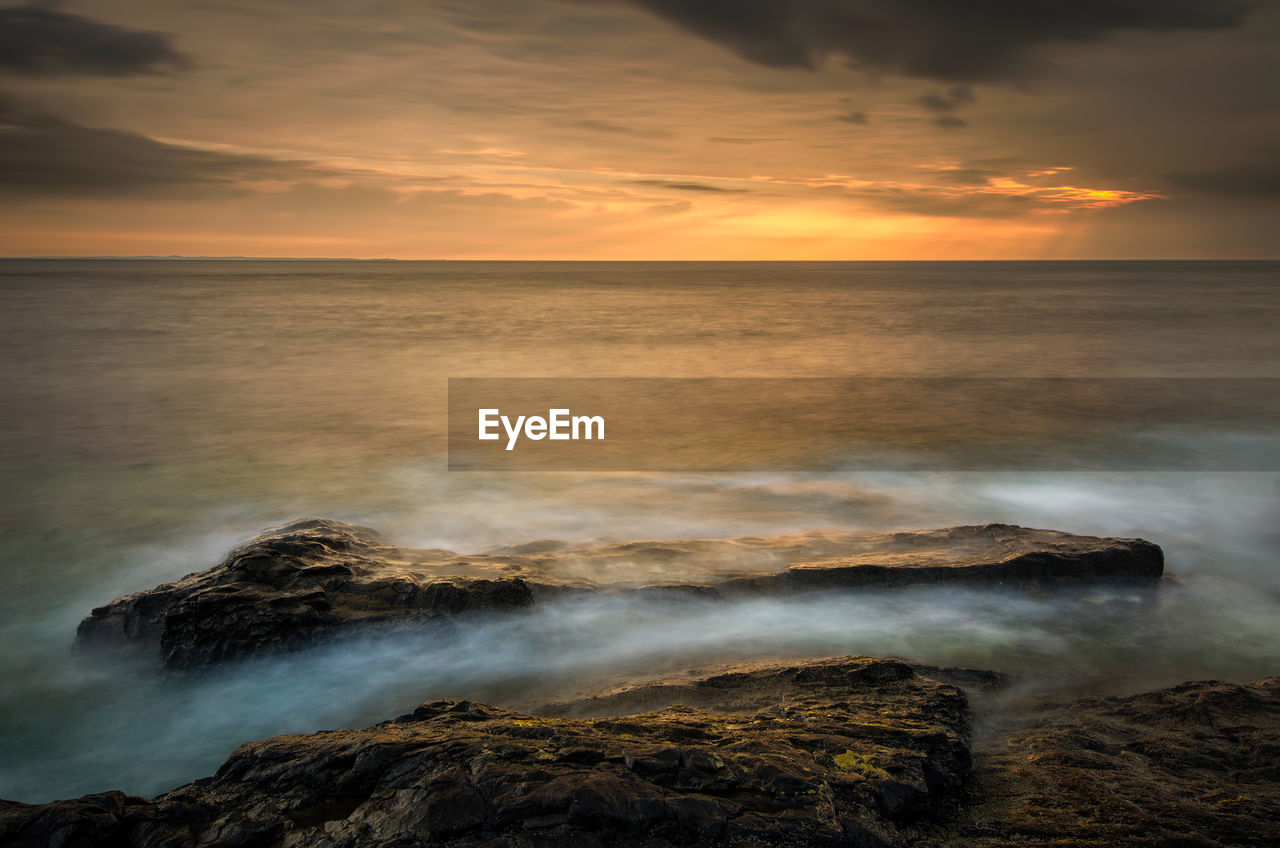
851, 752
989, 554
295, 583
315, 577
1196, 765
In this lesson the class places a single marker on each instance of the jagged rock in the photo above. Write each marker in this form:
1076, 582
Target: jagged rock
316, 577
850, 752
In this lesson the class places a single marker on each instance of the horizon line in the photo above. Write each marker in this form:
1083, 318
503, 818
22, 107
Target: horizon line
234, 258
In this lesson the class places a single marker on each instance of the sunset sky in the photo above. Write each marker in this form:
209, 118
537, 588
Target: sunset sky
641, 129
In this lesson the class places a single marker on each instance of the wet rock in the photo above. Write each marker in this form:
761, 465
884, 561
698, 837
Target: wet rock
295, 584
95, 821
853, 752
985, 555
839, 752
316, 578
1192, 765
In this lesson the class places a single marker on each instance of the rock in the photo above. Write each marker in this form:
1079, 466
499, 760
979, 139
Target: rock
854, 751
988, 554
296, 583
105, 819
1194, 765
315, 578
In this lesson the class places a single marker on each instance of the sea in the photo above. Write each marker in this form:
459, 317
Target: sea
155, 413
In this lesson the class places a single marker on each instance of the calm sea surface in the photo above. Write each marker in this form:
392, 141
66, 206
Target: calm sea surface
154, 413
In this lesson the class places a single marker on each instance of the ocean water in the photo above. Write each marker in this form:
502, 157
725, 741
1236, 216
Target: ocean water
154, 413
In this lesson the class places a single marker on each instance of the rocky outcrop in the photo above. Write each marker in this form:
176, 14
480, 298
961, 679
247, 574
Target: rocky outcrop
316, 578
986, 555
294, 584
1195, 765
854, 752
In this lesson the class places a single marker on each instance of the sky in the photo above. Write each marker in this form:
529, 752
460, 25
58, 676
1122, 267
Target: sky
641, 129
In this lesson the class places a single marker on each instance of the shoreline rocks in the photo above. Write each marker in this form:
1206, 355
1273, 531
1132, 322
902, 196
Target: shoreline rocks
852, 751
294, 584
1197, 765
315, 578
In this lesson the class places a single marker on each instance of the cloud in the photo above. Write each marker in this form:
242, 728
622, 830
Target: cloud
943, 40
41, 41
981, 193
859, 118
907, 200
687, 186
966, 176
720, 139
936, 102
1254, 179
618, 129
953, 99
44, 154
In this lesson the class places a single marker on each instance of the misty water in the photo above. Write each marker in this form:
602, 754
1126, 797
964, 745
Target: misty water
157, 413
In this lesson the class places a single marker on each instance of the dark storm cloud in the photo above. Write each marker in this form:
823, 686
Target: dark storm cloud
43, 154
946, 40
42, 41
1255, 179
